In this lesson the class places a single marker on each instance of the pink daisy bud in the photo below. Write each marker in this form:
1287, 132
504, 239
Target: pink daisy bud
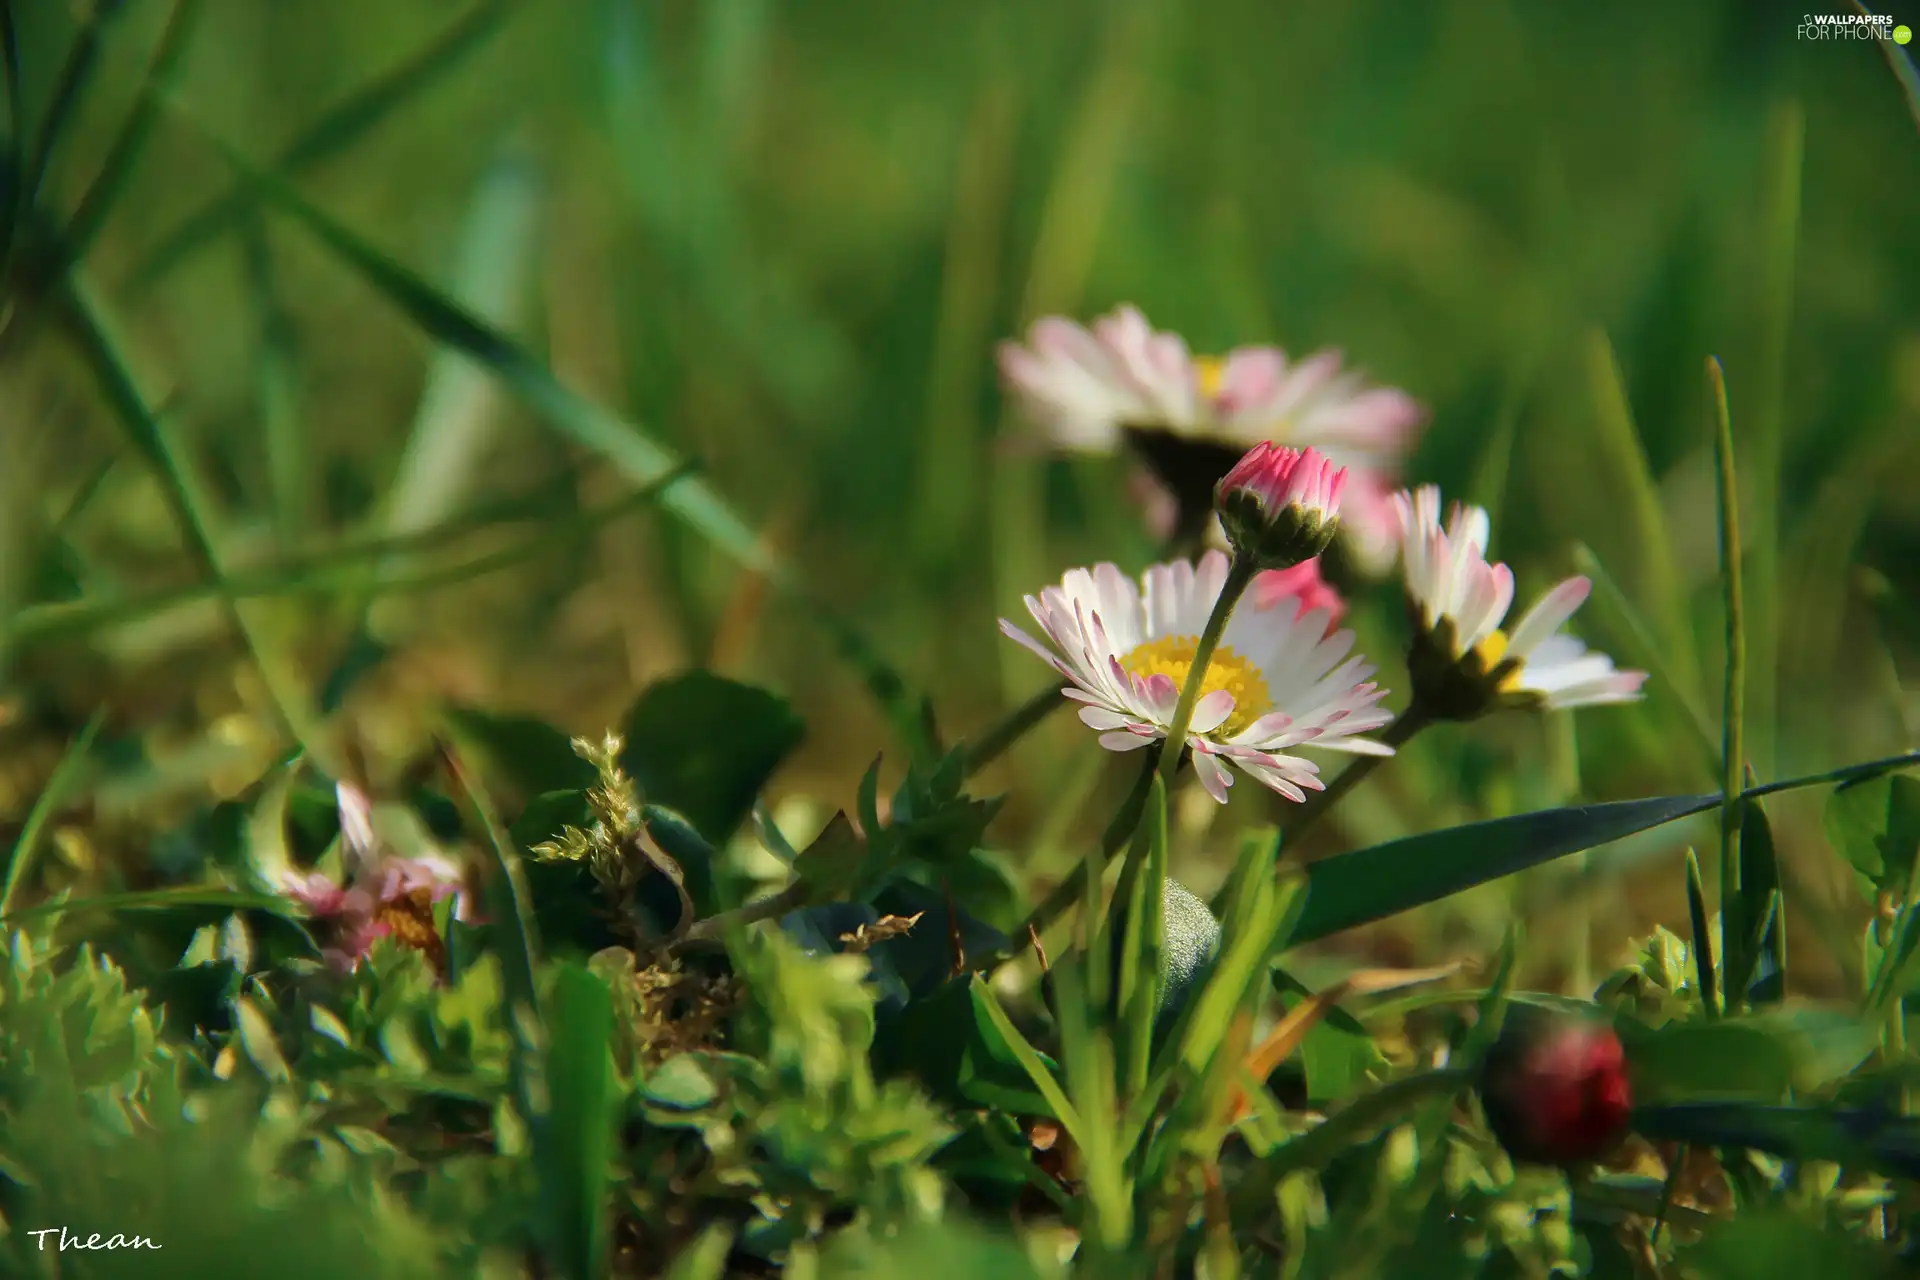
1555, 1089
1280, 506
1303, 587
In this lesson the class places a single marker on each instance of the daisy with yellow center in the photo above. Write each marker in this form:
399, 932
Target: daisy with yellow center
1465, 663
1278, 680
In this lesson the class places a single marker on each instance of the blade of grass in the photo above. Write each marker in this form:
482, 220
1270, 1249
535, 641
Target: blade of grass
1142, 889
1658, 578
950, 444
293, 479
327, 572
1900, 62
58, 790
100, 349
1702, 936
1732, 751
1071, 216
1030, 1062
160, 900
1824, 545
579, 1074
517, 942
456, 420
335, 131
1764, 450
590, 425
98, 202
1648, 649
75, 70
16, 158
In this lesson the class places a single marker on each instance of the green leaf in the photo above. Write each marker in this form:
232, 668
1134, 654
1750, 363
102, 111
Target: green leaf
1358, 888
924, 957
951, 1044
706, 746
679, 1084
1770, 1242
1339, 1059
257, 1038
1862, 1138
837, 863
578, 1128
706, 1257
1756, 969
943, 1251
1875, 826
1759, 1056
695, 857
1353, 889
527, 754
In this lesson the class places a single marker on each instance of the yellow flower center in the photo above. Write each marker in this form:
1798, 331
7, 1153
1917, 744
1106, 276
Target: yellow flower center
1210, 372
1172, 657
1490, 651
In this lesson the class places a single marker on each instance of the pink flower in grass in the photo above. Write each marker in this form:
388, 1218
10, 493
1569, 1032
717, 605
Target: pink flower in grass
1303, 587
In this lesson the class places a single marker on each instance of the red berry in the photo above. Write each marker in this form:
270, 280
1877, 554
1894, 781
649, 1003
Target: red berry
1555, 1089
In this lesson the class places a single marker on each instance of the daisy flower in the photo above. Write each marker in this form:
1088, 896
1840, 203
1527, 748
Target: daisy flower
1275, 683
1190, 418
1464, 665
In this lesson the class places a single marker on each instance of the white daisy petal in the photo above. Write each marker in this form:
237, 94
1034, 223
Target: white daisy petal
1125, 741
1548, 615
1212, 774
1210, 712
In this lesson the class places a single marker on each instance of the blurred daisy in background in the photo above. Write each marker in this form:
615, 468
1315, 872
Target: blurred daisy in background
1189, 419
1281, 679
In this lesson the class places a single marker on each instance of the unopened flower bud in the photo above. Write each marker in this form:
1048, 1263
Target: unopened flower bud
1280, 506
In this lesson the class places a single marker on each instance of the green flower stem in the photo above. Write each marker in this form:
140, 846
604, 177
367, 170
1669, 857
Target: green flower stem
1732, 751
1240, 575
1409, 722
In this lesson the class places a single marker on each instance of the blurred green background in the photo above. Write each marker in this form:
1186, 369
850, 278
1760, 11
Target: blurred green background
783, 239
